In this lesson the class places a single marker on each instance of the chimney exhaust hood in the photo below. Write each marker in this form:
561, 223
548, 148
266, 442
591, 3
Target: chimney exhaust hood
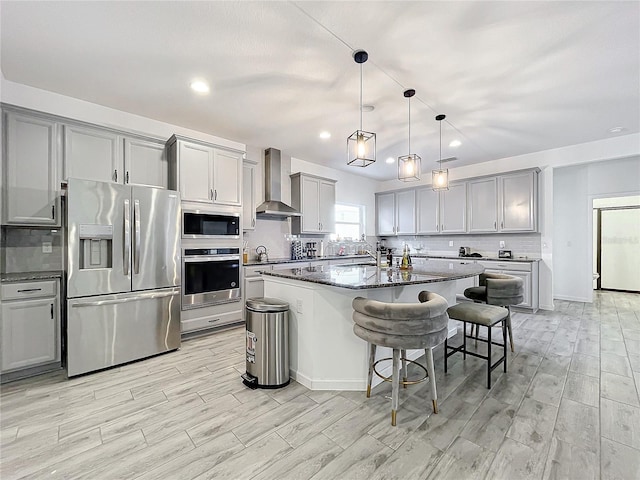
273, 207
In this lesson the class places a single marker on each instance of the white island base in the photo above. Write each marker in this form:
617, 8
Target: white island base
325, 354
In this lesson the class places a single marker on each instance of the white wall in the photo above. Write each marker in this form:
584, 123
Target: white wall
575, 188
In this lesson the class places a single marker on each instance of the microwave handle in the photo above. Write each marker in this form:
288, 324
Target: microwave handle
191, 259
127, 237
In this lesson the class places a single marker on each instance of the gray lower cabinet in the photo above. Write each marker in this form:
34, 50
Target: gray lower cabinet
30, 327
30, 171
528, 271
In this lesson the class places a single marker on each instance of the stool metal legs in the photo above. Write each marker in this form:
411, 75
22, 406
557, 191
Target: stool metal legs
403, 356
428, 352
395, 384
372, 359
509, 328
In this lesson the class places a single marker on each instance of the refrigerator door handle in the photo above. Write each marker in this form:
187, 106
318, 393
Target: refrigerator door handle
127, 237
136, 223
113, 301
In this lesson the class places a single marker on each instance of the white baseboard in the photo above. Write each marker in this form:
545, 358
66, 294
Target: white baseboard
547, 307
569, 298
356, 385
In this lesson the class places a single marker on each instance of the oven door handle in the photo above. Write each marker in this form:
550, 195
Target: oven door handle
210, 259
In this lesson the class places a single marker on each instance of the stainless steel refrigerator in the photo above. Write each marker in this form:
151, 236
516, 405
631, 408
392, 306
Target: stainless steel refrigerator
123, 274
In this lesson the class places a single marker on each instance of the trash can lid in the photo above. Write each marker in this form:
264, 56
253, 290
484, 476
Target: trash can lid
267, 304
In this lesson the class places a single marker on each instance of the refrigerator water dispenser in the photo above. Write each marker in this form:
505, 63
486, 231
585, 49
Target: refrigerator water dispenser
95, 246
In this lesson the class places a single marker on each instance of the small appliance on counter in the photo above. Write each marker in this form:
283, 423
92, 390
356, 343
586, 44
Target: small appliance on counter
464, 251
261, 252
504, 254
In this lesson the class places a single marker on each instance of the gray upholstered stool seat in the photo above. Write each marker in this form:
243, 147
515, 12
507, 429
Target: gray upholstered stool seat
479, 314
402, 326
498, 289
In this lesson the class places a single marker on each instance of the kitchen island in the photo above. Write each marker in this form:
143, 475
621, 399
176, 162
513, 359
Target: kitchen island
324, 352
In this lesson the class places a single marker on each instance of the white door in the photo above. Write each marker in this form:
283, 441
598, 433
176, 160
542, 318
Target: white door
145, 163
196, 164
483, 205
517, 202
406, 212
310, 193
619, 254
327, 206
248, 197
227, 171
453, 209
92, 154
385, 214
30, 174
427, 205
29, 333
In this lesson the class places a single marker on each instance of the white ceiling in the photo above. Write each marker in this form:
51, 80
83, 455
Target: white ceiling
512, 77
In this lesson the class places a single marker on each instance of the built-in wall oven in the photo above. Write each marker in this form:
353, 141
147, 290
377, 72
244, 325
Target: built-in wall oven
210, 276
205, 224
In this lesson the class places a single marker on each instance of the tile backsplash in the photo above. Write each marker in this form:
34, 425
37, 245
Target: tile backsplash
21, 249
520, 244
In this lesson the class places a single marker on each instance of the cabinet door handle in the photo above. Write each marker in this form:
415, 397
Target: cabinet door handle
52, 311
214, 320
495, 225
501, 224
126, 178
215, 194
253, 222
115, 175
29, 290
53, 212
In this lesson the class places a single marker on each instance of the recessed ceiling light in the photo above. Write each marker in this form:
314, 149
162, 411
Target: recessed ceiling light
390, 160
325, 135
200, 86
617, 130
368, 108
455, 143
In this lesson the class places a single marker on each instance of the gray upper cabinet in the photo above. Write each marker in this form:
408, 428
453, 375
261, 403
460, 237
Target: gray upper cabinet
427, 206
204, 173
483, 205
518, 202
315, 198
396, 213
92, 154
145, 163
30, 171
453, 209
248, 195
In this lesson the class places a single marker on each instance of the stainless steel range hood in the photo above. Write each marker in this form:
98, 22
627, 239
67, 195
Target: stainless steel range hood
273, 207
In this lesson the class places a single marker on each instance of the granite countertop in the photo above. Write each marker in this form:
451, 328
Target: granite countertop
457, 257
368, 276
272, 261
27, 276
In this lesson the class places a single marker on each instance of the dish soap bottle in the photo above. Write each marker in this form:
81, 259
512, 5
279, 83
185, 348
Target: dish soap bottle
406, 258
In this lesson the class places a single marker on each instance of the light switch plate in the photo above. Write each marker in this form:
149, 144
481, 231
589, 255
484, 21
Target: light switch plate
47, 247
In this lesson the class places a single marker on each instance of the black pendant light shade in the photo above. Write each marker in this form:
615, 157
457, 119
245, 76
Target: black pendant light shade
361, 145
409, 165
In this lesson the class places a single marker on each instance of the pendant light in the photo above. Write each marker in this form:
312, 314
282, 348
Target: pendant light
409, 165
440, 177
361, 145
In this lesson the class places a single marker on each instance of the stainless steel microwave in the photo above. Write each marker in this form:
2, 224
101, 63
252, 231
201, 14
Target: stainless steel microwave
203, 224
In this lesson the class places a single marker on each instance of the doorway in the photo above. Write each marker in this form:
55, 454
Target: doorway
616, 233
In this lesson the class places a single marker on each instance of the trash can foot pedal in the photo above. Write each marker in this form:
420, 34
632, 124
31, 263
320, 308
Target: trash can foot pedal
249, 380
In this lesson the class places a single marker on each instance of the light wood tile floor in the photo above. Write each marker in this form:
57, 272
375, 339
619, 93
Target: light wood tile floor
567, 408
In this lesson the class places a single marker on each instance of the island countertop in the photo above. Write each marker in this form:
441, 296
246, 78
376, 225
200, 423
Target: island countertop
369, 276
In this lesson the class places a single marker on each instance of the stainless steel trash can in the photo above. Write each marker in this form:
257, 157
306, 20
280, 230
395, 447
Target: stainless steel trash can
267, 324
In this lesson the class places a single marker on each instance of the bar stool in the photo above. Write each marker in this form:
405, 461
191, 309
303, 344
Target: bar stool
479, 315
402, 326
498, 289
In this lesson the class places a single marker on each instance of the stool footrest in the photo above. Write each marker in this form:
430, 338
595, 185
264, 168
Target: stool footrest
401, 382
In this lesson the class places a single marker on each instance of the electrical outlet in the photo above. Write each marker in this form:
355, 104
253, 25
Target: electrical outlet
47, 247
501, 243
451, 243
299, 306
451, 266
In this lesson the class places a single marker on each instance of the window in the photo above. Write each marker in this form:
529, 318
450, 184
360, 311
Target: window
349, 221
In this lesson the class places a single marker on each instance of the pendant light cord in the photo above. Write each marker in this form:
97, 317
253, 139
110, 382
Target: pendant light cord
440, 145
409, 125
361, 97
